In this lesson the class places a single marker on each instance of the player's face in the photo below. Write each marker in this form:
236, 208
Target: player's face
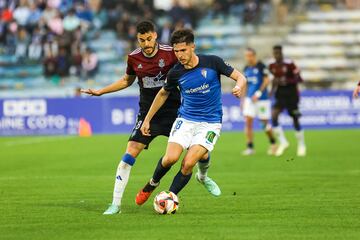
184, 52
250, 57
147, 42
278, 55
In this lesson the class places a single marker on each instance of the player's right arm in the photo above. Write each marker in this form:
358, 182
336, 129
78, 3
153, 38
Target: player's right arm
122, 83
155, 106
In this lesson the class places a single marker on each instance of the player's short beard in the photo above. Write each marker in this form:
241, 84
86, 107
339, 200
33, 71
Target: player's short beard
153, 50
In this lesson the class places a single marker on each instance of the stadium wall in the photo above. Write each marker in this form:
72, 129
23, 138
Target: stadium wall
61, 116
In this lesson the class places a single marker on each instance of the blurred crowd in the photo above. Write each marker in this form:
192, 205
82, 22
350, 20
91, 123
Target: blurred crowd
52, 32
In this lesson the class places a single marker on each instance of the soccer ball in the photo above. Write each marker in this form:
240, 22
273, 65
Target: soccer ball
166, 202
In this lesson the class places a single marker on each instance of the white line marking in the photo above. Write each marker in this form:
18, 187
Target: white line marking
35, 140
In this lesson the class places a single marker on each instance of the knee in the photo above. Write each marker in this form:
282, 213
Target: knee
205, 157
169, 160
187, 167
134, 149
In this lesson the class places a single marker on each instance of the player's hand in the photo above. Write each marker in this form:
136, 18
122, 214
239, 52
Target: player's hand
254, 98
356, 92
91, 92
238, 91
145, 128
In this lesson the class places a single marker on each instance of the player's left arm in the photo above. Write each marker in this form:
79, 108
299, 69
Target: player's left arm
240, 87
225, 69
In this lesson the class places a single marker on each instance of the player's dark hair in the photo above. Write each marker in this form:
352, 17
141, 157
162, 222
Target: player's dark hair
182, 36
249, 49
277, 47
145, 27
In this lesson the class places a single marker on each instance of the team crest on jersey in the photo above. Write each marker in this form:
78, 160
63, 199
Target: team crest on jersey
140, 66
204, 72
256, 71
161, 63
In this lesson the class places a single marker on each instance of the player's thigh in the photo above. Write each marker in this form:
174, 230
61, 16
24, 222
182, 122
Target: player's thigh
182, 132
172, 154
193, 155
134, 148
136, 134
249, 109
277, 108
263, 109
292, 107
206, 135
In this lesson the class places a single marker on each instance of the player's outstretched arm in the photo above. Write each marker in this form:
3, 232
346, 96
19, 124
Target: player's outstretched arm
122, 83
155, 106
356, 91
240, 87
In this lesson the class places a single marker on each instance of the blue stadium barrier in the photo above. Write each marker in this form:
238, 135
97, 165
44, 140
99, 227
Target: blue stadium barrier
321, 110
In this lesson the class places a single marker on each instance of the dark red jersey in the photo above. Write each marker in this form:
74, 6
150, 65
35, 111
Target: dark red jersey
286, 75
151, 74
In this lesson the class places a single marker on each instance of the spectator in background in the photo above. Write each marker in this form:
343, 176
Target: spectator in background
49, 64
55, 24
35, 48
251, 12
63, 63
22, 43
165, 33
21, 13
71, 21
11, 38
49, 13
51, 46
84, 13
76, 61
89, 63
34, 17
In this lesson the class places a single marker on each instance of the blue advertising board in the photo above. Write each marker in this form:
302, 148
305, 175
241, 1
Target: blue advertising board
320, 109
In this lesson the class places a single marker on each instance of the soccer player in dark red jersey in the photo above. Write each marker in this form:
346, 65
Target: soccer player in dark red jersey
150, 64
356, 91
286, 77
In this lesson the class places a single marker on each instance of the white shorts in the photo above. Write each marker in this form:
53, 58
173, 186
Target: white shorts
260, 109
188, 133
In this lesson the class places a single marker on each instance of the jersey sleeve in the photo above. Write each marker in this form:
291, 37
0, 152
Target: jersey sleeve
129, 67
223, 67
171, 82
264, 70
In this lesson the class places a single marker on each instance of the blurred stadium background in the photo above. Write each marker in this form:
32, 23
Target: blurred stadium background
53, 48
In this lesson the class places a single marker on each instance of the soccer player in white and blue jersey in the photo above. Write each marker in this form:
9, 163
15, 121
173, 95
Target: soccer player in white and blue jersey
198, 125
257, 102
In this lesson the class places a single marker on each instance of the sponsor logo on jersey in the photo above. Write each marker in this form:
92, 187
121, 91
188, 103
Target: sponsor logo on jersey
161, 63
154, 82
203, 89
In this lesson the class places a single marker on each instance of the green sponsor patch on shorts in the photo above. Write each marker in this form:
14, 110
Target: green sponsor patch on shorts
210, 136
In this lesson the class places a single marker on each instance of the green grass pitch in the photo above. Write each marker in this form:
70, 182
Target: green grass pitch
58, 187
